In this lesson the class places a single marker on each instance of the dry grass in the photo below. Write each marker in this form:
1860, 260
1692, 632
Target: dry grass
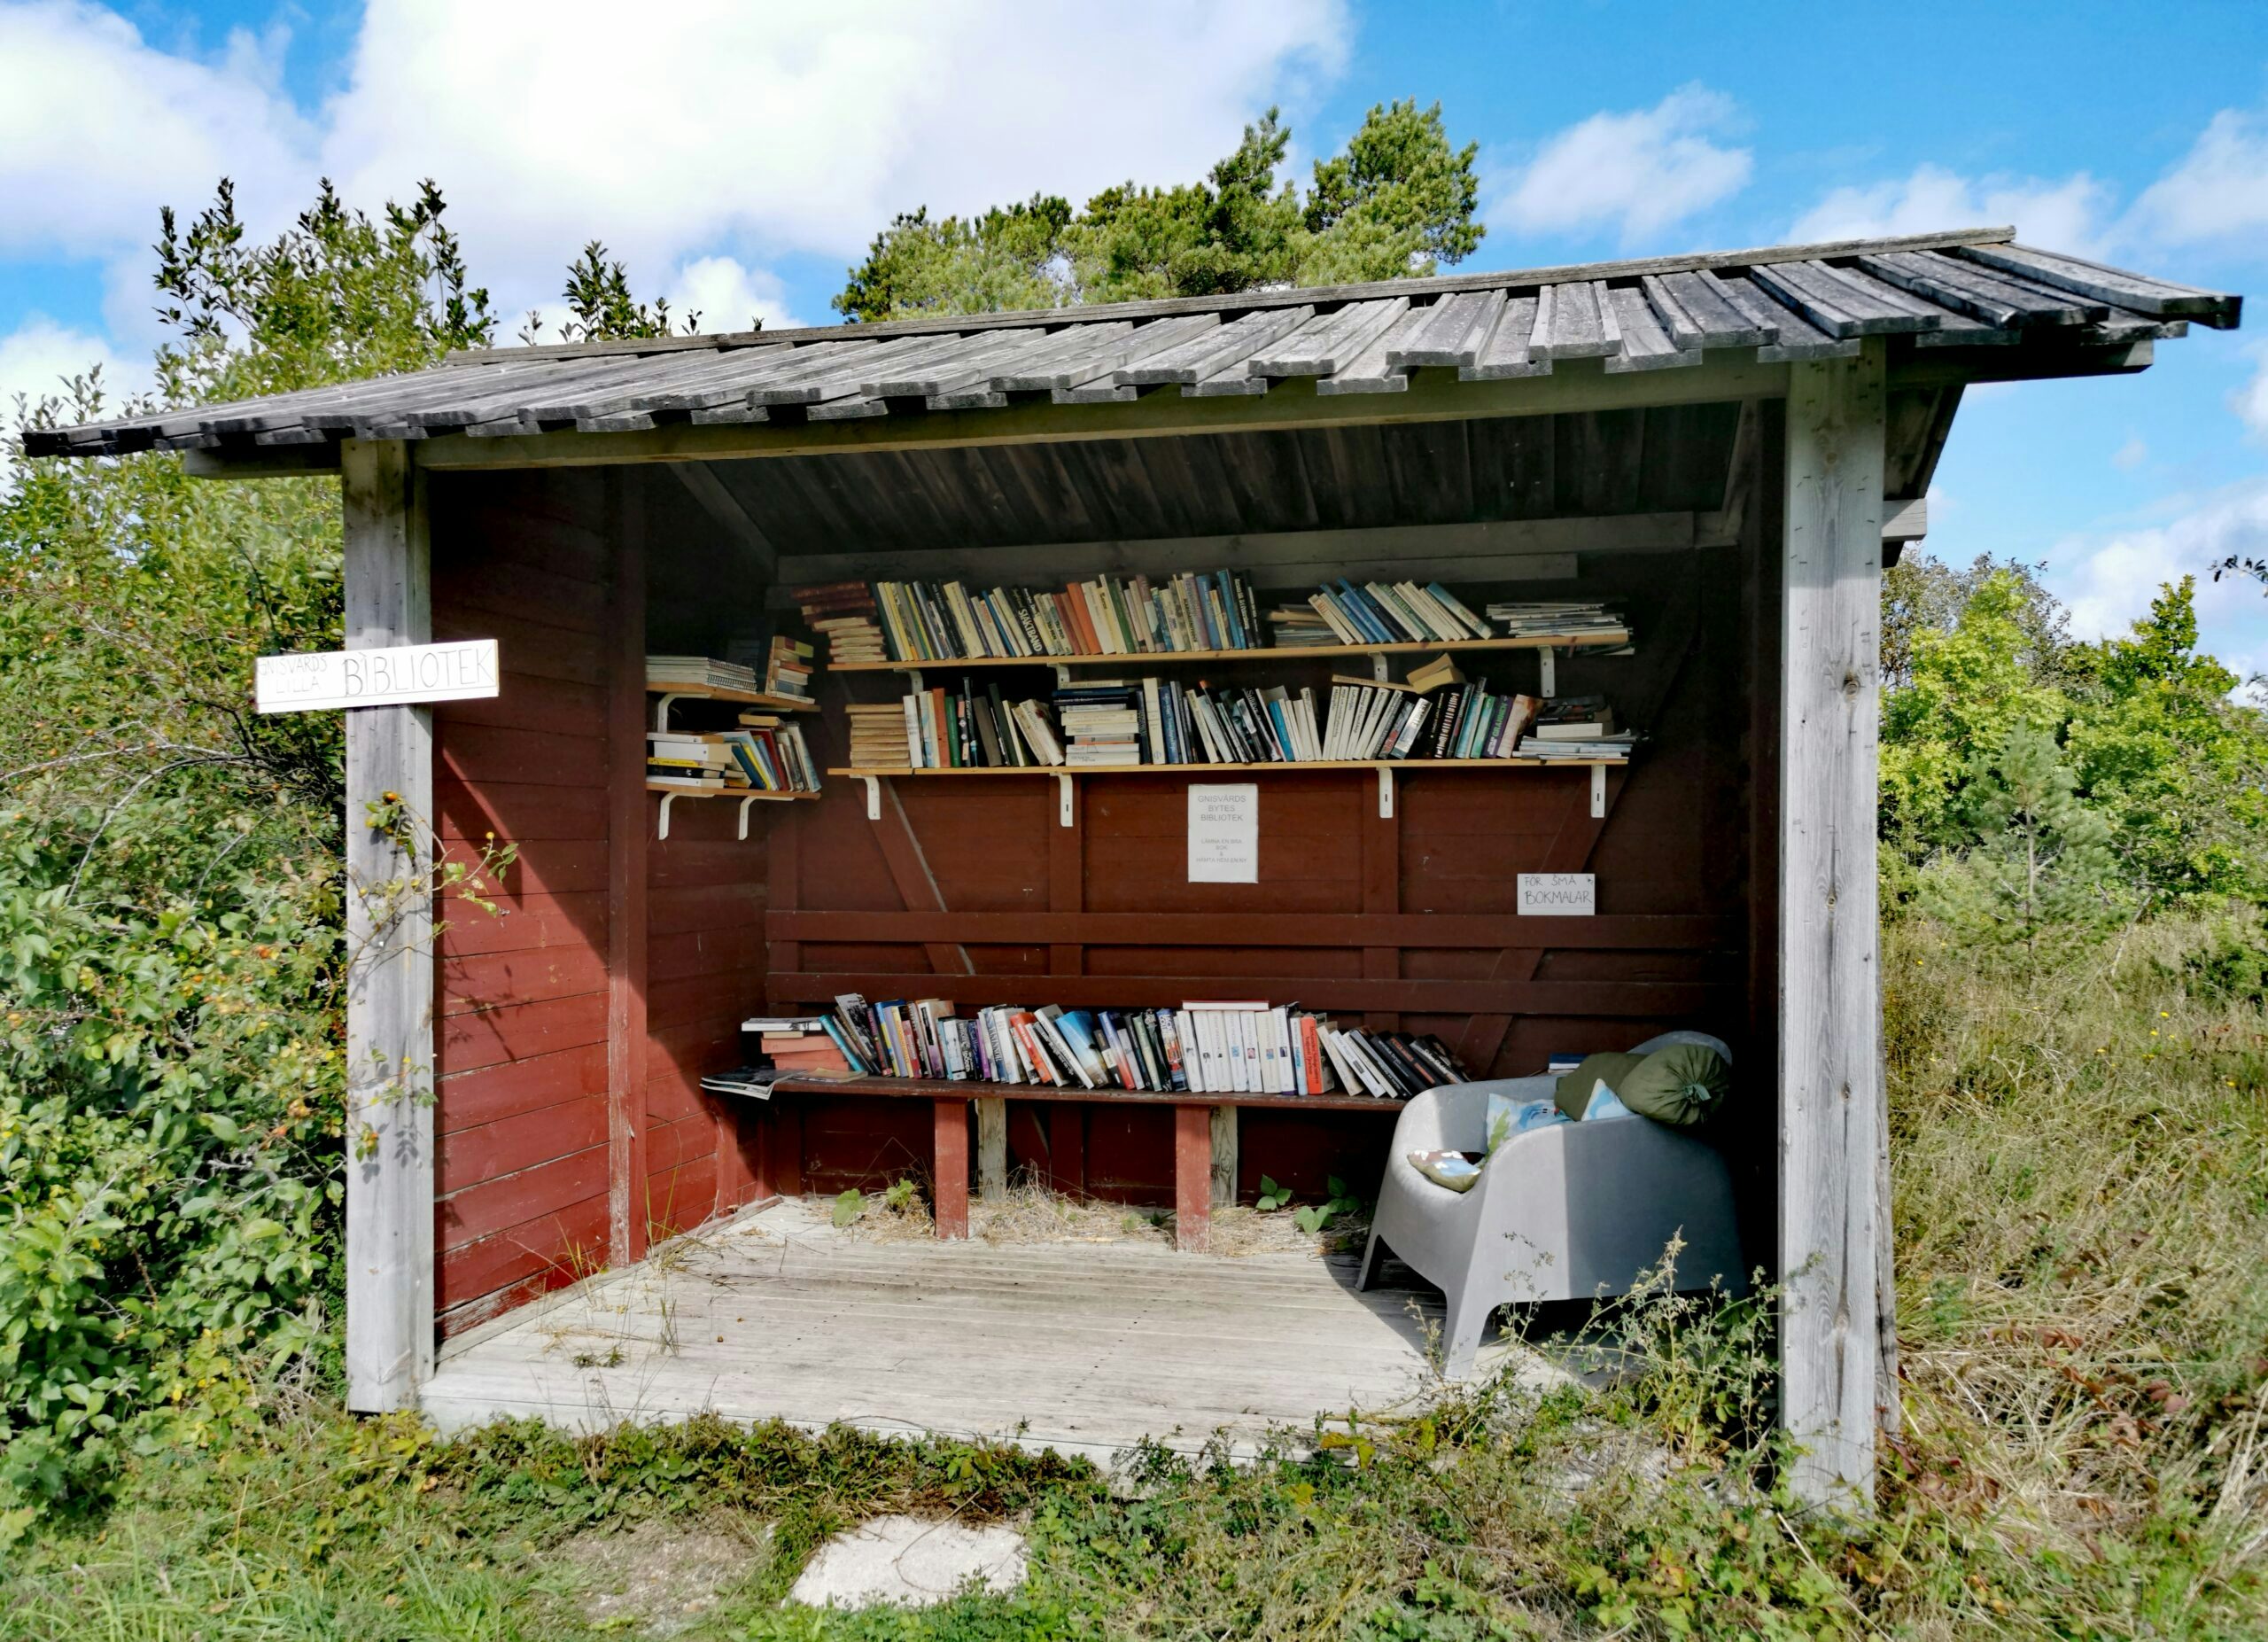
1032, 1214
2081, 1200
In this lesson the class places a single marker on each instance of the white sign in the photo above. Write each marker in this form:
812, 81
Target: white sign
1558, 894
1225, 834
463, 671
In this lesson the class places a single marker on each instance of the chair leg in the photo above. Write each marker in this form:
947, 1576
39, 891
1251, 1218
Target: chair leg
1467, 1320
1373, 1258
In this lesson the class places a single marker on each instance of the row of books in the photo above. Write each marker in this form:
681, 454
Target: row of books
1376, 612
1204, 1047
766, 754
1108, 616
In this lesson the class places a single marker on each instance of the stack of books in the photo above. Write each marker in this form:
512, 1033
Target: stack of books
692, 761
977, 729
843, 614
799, 1045
1576, 726
1572, 619
788, 668
1398, 612
1299, 627
1101, 722
1204, 1046
698, 673
1109, 616
878, 737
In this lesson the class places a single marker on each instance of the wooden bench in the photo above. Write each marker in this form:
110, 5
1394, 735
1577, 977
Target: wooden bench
1204, 1136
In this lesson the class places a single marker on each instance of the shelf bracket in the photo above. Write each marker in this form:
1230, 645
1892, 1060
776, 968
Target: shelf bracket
1062, 675
1549, 686
662, 713
1066, 801
1385, 793
1377, 667
914, 676
874, 796
668, 798
744, 804
1598, 792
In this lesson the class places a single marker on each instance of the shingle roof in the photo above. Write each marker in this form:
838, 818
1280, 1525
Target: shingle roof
1966, 289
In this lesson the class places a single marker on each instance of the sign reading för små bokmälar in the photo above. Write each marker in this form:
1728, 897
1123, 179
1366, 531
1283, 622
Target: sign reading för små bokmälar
399, 676
1558, 894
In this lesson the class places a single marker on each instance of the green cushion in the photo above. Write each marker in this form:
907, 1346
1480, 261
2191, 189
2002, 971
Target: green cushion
1574, 1089
1680, 1085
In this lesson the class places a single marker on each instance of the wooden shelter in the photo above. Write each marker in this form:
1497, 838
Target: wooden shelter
1729, 446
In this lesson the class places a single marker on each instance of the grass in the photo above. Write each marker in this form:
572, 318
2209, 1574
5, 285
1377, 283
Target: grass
2081, 1204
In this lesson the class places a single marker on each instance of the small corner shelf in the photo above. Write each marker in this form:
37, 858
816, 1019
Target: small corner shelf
672, 694
747, 796
1065, 775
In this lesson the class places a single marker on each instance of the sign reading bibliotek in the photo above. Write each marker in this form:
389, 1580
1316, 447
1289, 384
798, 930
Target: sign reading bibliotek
463, 671
1558, 894
1225, 834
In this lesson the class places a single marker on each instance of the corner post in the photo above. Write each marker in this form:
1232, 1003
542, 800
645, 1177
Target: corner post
390, 940
1829, 1024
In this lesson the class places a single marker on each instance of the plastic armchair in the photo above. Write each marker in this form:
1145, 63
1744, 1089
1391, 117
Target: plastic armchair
1574, 1210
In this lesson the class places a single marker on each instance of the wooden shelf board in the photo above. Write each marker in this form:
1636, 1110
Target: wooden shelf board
726, 792
933, 1089
745, 698
1289, 652
1053, 770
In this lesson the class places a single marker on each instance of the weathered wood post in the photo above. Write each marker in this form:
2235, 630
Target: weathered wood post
389, 937
1830, 1020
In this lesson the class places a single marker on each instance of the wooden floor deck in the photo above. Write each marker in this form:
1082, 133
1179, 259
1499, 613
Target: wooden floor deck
1084, 1347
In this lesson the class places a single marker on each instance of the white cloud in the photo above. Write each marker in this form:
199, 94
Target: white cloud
2130, 455
1638, 172
2109, 580
766, 130
2219, 190
729, 297
2069, 215
98, 128
39, 358
2250, 401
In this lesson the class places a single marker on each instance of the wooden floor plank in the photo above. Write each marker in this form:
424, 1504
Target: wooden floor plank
1083, 1347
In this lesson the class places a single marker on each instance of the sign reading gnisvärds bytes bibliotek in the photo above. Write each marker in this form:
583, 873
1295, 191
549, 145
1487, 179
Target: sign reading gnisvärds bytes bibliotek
401, 676
1558, 894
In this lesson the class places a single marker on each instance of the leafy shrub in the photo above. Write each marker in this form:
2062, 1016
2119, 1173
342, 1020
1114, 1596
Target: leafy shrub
171, 1095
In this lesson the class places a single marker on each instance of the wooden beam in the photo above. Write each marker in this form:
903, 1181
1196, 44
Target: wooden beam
993, 1149
269, 461
733, 519
1297, 550
1434, 395
949, 1135
390, 941
1192, 1179
1830, 1089
630, 816
786, 926
1224, 1156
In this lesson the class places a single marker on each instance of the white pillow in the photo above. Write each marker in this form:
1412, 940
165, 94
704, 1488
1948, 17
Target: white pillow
1518, 1117
1604, 1103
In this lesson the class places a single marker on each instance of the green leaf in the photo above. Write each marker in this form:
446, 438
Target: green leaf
848, 1207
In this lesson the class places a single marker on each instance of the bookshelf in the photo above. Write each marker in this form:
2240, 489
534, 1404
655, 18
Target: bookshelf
746, 795
672, 694
1066, 776
1378, 653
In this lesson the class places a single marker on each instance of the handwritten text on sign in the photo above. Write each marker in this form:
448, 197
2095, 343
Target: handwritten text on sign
1558, 894
377, 678
1225, 834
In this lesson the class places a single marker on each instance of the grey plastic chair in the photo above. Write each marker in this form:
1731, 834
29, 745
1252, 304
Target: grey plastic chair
1574, 1211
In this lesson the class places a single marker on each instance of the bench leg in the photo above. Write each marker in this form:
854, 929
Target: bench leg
952, 1167
1224, 1156
1192, 1177
993, 1149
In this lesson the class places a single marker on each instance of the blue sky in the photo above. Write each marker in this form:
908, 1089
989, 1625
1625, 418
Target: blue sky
740, 156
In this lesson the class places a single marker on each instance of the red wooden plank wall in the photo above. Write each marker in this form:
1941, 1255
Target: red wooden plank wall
520, 1043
